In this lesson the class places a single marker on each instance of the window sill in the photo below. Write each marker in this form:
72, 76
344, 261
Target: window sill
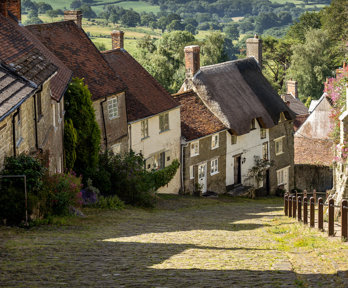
113, 118
194, 155
212, 174
142, 139
279, 153
213, 148
164, 131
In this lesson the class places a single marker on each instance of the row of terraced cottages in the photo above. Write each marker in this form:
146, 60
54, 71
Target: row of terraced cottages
223, 120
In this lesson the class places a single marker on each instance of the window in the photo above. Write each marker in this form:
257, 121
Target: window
279, 145
144, 129
18, 132
214, 167
192, 175
159, 161
164, 122
233, 139
215, 141
283, 178
39, 105
194, 148
265, 151
113, 108
253, 125
263, 133
116, 148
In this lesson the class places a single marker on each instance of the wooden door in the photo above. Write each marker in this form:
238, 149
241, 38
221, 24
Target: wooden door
237, 170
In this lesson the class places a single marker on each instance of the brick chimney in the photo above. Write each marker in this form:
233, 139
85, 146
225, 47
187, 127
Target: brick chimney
75, 15
254, 48
8, 7
192, 60
117, 39
291, 88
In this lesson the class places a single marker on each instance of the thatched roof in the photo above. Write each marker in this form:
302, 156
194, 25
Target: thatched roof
237, 92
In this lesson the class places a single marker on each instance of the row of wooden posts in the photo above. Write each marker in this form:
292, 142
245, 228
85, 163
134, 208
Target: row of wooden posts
293, 206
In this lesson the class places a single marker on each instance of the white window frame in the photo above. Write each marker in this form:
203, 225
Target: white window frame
263, 133
265, 144
192, 175
54, 115
279, 142
215, 141
144, 128
194, 148
214, 166
113, 108
163, 122
159, 161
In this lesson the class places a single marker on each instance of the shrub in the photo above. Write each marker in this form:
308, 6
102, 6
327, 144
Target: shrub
12, 200
64, 191
109, 202
90, 194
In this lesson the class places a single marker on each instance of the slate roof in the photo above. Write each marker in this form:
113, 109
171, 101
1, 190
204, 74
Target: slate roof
197, 120
28, 57
145, 96
295, 104
14, 90
73, 47
299, 120
237, 92
312, 151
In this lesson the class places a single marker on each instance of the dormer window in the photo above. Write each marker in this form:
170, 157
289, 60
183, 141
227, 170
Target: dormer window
113, 108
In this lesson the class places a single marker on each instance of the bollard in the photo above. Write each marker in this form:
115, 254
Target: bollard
293, 206
286, 199
299, 208
344, 214
296, 194
311, 212
331, 229
305, 193
320, 214
305, 210
315, 196
290, 206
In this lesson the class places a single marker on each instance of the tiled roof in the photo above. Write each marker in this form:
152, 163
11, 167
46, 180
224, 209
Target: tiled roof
295, 104
145, 96
196, 119
299, 120
237, 92
14, 90
313, 151
26, 55
73, 47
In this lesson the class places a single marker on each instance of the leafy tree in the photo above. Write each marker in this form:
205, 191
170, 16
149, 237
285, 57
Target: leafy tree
79, 109
213, 49
87, 11
52, 13
43, 7
190, 28
33, 20
175, 25
311, 63
70, 142
232, 31
75, 4
308, 20
130, 18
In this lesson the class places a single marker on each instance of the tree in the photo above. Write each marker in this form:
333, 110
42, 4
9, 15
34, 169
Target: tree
70, 142
75, 4
213, 49
308, 20
311, 63
232, 31
79, 109
87, 11
52, 13
130, 18
43, 7
175, 25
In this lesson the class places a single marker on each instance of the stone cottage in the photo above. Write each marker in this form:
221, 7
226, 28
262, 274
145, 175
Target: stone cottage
243, 100
33, 82
153, 115
203, 161
68, 41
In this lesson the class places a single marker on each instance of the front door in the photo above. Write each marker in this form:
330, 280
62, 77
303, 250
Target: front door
237, 170
202, 177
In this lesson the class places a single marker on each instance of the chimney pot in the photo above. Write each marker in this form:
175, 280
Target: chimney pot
75, 15
192, 60
254, 48
291, 88
117, 39
8, 7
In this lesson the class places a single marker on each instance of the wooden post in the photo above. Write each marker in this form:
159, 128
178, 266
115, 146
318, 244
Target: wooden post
293, 206
344, 214
286, 199
315, 196
290, 206
296, 194
311, 213
305, 210
305, 193
299, 208
331, 230
320, 214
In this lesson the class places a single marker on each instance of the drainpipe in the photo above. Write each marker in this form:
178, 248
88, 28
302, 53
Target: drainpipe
35, 122
130, 137
183, 145
104, 125
14, 131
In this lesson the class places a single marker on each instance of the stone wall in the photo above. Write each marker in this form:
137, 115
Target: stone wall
285, 159
311, 177
216, 182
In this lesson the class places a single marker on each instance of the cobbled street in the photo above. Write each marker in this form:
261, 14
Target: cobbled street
184, 242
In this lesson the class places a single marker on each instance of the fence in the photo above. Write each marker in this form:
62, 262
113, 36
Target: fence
294, 205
